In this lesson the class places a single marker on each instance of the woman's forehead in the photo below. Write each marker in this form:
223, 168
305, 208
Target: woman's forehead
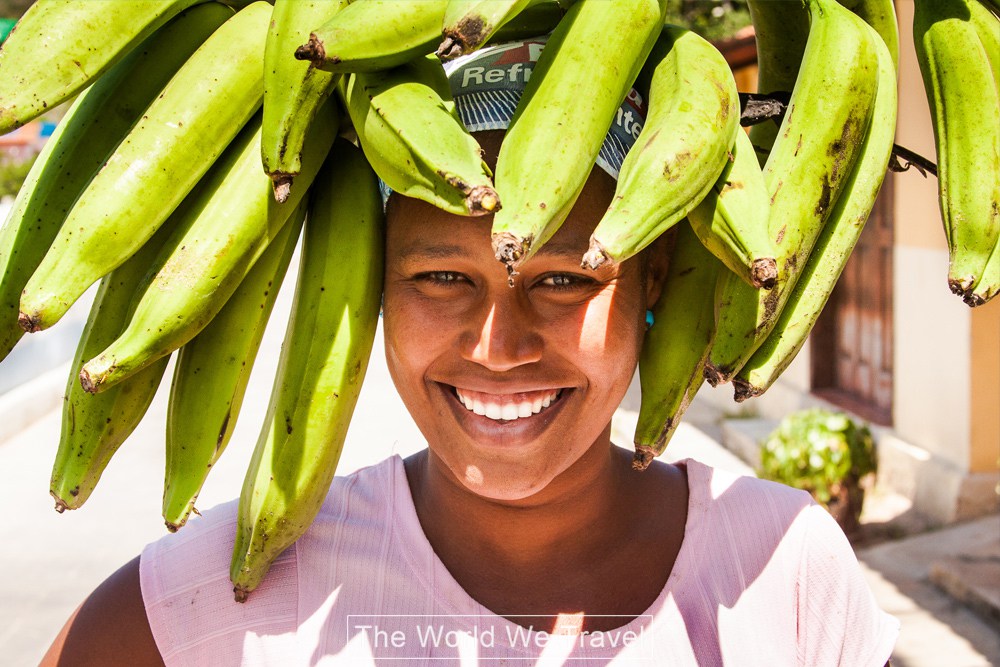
414, 225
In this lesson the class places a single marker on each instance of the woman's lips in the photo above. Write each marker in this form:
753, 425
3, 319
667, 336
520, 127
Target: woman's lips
507, 407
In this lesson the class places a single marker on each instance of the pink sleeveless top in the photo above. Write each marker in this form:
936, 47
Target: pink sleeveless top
764, 577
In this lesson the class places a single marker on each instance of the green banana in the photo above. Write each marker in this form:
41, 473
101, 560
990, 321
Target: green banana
293, 90
781, 30
812, 159
411, 134
178, 137
211, 375
988, 28
323, 362
992, 5
98, 118
953, 61
469, 23
59, 46
674, 353
832, 249
559, 135
732, 220
94, 427
539, 18
209, 254
374, 35
694, 116
880, 15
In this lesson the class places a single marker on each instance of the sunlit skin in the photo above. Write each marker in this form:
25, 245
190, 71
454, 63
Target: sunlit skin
541, 514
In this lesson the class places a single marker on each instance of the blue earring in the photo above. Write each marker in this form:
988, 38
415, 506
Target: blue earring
649, 319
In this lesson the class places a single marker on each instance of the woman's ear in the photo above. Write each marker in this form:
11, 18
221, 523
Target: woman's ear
657, 262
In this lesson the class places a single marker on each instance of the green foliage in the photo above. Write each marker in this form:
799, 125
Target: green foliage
715, 20
12, 174
817, 450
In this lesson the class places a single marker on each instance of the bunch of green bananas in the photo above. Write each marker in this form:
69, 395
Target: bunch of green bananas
153, 185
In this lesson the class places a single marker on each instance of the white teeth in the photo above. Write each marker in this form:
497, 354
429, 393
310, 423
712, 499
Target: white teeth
506, 411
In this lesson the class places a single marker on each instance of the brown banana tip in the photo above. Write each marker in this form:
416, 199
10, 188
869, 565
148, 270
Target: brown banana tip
30, 324
482, 200
173, 527
713, 375
961, 286
595, 256
642, 457
974, 300
764, 273
61, 506
312, 50
240, 593
742, 390
282, 185
449, 49
509, 249
89, 382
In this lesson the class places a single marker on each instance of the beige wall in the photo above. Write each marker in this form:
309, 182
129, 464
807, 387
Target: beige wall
985, 388
917, 219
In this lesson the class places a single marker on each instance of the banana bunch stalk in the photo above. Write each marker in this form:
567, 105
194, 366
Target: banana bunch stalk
167, 182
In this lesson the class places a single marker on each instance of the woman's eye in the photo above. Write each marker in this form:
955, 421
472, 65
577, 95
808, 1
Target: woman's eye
445, 278
562, 281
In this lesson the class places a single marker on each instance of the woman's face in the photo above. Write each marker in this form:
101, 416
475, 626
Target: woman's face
510, 385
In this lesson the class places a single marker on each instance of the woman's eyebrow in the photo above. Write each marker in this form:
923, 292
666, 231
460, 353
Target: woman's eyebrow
441, 251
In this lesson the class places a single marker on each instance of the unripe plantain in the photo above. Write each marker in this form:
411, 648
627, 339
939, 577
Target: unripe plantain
374, 35
410, 132
97, 120
59, 46
323, 362
694, 116
293, 90
469, 23
211, 375
554, 138
232, 221
732, 220
832, 249
812, 159
94, 427
953, 61
176, 141
674, 351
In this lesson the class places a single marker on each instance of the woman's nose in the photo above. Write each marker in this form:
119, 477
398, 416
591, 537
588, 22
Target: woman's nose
503, 337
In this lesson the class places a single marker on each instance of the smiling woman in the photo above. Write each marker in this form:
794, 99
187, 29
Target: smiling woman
521, 533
